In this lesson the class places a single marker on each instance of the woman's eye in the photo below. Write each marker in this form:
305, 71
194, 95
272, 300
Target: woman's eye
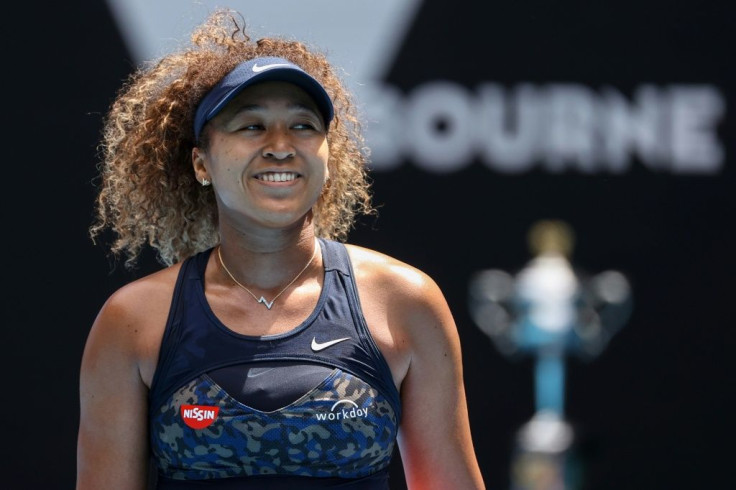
309, 123
251, 127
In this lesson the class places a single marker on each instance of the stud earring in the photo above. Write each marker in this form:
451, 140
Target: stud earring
205, 182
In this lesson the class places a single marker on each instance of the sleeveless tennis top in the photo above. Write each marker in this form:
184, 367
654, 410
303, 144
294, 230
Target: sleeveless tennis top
339, 433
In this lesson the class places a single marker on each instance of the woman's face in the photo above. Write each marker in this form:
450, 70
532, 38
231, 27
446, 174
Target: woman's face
267, 155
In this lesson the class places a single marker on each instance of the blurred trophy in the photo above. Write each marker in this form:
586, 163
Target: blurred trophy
548, 310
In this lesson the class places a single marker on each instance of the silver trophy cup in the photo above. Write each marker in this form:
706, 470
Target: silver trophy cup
548, 310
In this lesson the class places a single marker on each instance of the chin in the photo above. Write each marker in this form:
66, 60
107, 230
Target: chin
284, 219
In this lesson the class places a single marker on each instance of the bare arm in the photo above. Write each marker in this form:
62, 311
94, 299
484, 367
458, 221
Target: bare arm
434, 438
112, 447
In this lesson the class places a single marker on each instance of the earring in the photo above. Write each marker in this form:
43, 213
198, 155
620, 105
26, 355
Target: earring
205, 182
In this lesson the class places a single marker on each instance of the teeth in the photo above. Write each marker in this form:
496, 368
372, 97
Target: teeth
278, 177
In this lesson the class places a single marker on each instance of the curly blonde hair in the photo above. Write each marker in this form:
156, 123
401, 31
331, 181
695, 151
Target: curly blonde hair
148, 194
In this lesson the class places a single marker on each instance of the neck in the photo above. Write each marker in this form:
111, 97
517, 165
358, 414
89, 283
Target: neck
267, 267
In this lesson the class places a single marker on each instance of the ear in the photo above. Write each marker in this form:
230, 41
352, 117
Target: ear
198, 163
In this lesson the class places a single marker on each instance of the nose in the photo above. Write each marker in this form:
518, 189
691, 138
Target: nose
278, 147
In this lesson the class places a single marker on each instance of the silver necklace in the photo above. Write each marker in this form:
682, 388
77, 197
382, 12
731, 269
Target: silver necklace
268, 304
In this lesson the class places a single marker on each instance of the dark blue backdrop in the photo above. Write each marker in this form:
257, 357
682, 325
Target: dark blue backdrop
652, 409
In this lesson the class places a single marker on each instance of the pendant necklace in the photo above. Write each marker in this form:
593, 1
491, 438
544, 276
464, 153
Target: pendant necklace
267, 304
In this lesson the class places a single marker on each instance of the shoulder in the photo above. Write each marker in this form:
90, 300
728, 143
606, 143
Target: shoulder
140, 298
408, 293
390, 274
130, 324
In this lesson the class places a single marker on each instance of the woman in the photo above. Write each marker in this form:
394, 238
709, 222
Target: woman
267, 354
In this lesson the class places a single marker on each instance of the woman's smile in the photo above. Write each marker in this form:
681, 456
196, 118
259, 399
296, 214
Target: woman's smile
277, 177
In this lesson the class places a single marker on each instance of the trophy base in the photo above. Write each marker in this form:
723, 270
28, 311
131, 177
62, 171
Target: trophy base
544, 456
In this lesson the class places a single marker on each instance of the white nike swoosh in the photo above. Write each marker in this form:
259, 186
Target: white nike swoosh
259, 69
316, 346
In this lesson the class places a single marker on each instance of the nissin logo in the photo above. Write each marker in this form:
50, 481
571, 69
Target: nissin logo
199, 416
342, 410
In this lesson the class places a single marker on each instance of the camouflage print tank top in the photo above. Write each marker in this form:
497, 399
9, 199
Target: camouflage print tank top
324, 412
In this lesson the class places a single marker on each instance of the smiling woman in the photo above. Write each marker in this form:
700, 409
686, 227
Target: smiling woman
287, 359
270, 141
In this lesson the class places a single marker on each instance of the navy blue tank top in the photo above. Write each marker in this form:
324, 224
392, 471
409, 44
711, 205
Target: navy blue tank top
340, 433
